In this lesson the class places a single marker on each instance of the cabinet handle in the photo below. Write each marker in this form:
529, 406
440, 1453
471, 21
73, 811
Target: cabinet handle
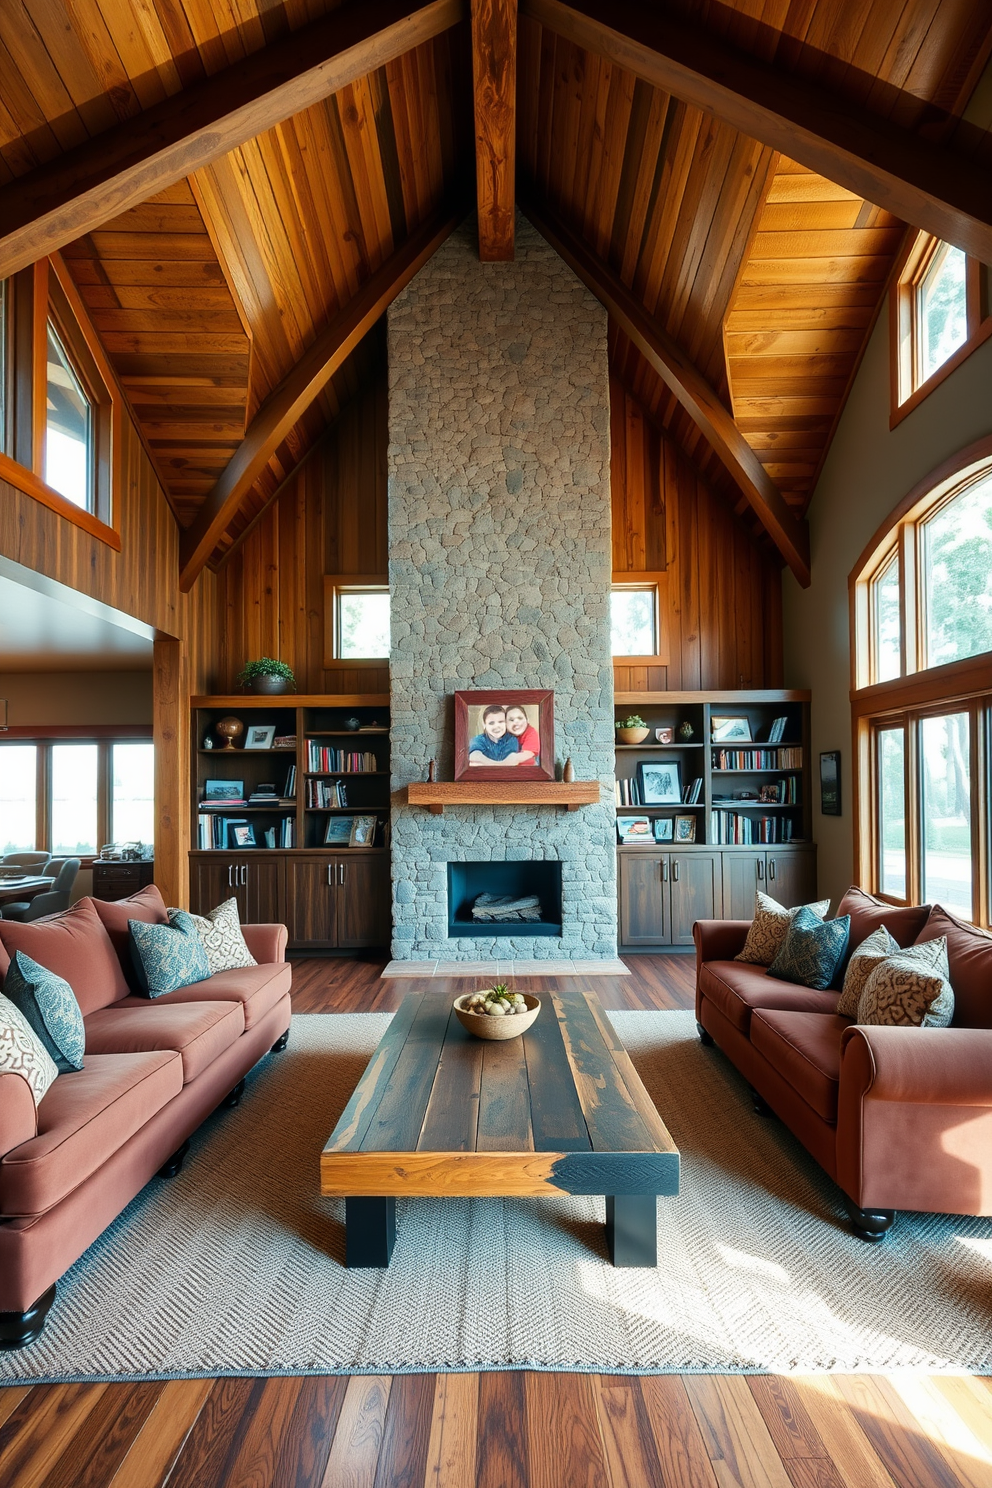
341, 870
675, 870
244, 875
759, 865
329, 875
230, 867
664, 870
771, 868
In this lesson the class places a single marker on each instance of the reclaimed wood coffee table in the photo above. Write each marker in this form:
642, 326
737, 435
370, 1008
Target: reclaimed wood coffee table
560, 1110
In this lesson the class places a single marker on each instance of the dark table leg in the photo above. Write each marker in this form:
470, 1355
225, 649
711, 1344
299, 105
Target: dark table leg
370, 1231
632, 1229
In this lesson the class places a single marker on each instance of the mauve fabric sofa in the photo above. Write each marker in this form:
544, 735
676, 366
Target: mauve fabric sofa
901, 1118
153, 1070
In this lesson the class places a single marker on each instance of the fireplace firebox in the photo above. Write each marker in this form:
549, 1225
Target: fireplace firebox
518, 880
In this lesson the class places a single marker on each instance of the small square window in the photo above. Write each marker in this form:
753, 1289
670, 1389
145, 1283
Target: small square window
636, 617
69, 444
356, 621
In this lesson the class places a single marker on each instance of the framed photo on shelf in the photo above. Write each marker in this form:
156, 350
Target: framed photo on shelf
362, 831
634, 828
830, 783
505, 735
338, 832
726, 729
224, 790
660, 782
260, 736
663, 829
241, 834
685, 829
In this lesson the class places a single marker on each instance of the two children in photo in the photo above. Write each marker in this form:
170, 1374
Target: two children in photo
507, 737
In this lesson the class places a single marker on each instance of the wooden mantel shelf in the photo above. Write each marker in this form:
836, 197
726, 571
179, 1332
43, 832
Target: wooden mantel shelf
435, 795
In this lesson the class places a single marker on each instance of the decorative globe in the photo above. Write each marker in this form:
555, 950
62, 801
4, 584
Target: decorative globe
229, 730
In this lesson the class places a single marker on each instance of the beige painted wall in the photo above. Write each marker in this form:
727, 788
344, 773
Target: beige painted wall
868, 471
42, 699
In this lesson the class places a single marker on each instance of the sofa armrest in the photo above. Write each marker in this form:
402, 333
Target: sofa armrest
719, 940
266, 942
18, 1115
918, 1066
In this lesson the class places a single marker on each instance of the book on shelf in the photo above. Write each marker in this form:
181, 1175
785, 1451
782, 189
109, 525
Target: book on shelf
634, 828
284, 741
692, 792
734, 829
627, 792
322, 760
323, 795
223, 805
287, 832
777, 730
758, 759
290, 790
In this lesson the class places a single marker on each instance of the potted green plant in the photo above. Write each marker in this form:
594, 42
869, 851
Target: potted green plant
267, 676
632, 730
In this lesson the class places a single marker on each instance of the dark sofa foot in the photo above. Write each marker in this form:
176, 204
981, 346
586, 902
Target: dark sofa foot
173, 1165
761, 1106
869, 1224
706, 1039
234, 1098
20, 1328
281, 1043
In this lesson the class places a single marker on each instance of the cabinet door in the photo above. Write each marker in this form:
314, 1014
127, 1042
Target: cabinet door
311, 901
743, 873
791, 875
264, 890
644, 899
212, 880
696, 890
363, 901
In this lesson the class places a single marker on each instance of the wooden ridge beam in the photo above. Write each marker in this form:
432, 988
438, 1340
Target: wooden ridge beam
286, 404
927, 184
100, 179
494, 76
788, 532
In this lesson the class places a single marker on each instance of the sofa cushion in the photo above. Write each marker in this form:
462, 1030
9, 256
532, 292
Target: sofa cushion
147, 905
910, 989
736, 990
969, 961
811, 950
167, 957
221, 937
83, 1120
861, 963
804, 1049
198, 1031
867, 913
75, 946
48, 1004
22, 1051
257, 988
767, 932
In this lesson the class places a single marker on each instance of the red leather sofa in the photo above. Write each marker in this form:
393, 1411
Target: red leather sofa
901, 1118
153, 1070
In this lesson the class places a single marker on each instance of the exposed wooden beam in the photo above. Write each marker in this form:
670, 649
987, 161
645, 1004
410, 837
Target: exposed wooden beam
98, 180
927, 184
494, 75
789, 533
287, 403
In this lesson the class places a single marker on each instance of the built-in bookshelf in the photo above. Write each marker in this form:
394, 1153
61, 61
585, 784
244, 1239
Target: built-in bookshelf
720, 769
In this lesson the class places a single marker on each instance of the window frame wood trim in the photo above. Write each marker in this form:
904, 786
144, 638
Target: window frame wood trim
658, 580
906, 393
333, 585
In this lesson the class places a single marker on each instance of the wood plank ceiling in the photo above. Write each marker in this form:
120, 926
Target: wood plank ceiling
767, 276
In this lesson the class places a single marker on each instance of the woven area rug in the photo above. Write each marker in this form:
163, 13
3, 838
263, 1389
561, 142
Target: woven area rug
236, 1267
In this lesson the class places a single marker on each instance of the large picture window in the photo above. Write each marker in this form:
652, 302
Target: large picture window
71, 795
922, 699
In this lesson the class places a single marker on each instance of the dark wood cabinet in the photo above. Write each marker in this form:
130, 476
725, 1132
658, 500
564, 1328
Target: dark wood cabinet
312, 901
339, 902
696, 889
113, 879
743, 874
644, 903
256, 882
790, 875
363, 902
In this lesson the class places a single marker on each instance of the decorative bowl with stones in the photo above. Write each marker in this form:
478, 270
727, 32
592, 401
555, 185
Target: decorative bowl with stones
492, 1025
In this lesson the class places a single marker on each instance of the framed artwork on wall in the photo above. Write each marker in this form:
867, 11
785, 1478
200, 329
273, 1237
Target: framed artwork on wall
505, 735
830, 782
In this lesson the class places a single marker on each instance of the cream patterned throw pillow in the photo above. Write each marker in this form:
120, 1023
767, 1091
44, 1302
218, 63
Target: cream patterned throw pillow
221, 937
22, 1052
767, 933
874, 949
910, 990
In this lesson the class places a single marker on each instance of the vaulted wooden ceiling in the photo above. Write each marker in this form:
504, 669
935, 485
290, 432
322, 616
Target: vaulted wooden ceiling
648, 136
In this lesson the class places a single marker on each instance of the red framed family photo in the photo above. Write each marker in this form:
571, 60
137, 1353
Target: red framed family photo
505, 735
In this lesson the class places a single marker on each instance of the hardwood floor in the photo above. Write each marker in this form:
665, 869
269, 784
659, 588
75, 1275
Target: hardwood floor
501, 1430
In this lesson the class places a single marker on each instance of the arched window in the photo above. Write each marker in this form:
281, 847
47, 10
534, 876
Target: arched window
922, 693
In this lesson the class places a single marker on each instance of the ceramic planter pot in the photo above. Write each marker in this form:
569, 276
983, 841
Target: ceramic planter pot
632, 735
270, 684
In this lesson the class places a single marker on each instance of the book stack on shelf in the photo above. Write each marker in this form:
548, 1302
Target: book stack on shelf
738, 830
323, 760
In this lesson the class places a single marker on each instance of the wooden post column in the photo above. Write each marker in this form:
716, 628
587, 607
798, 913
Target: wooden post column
494, 76
170, 726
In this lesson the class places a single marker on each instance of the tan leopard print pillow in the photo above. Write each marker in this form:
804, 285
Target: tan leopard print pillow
767, 932
877, 947
910, 990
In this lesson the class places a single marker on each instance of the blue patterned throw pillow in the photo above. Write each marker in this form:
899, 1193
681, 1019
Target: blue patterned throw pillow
48, 1005
811, 950
167, 957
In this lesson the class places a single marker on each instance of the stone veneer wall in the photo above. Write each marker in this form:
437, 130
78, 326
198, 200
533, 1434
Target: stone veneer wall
499, 568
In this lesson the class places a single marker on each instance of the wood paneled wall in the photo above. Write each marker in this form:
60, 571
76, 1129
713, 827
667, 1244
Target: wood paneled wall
330, 519
724, 623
